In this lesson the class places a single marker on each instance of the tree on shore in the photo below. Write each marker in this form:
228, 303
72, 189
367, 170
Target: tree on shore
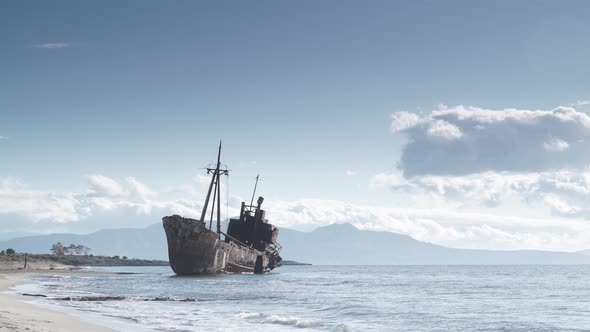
58, 249
2, 253
10, 251
79, 249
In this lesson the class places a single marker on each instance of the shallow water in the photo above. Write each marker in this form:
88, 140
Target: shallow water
342, 298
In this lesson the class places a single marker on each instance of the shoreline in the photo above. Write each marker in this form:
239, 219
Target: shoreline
17, 313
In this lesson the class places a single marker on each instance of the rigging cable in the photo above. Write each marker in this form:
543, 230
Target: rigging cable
227, 197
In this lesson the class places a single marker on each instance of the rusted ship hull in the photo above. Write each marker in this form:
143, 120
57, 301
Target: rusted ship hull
193, 249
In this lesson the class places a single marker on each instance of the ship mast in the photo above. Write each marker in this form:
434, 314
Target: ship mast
254, 193
215, 182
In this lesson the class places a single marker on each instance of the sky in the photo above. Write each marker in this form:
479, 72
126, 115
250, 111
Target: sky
459, 123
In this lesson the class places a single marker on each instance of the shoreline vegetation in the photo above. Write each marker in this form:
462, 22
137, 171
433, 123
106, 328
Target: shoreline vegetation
54, 262
91, 260
26, 262
69, 258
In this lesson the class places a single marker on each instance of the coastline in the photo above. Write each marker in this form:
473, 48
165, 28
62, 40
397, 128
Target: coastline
16, 314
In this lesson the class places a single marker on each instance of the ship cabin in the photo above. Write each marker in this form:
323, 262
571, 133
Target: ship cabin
252, 229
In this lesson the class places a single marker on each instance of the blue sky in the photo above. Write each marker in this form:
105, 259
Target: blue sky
300, 92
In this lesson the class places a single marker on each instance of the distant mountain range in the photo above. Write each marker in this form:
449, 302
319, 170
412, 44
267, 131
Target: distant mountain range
331, 245
147, 243
344, 244
13, 235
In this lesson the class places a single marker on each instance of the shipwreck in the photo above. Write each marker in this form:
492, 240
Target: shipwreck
249, 244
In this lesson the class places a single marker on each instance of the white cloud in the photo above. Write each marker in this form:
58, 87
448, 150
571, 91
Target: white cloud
350, 172
36, 205
455, 229
556, 145
466, 140
139, 190
53, 45
560, 206
202, 180
443, 130
562, 192
3, 137
483, 188
107, 193
486, 116
582, 102
509, 160
389, 179
403, 120
103, 194
103, 186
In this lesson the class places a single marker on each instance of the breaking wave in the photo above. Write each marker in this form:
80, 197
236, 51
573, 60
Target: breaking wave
247, 315
291, 321
282, 320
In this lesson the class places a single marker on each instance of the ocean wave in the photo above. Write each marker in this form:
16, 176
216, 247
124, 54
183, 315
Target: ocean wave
247, 315
291, 321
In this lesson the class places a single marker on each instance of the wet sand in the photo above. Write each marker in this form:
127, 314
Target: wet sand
18, 315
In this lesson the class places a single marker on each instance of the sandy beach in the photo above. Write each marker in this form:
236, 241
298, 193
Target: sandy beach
18, 315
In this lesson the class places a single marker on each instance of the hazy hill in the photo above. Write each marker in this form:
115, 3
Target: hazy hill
148, 243
13, 235
334, 244
345, 244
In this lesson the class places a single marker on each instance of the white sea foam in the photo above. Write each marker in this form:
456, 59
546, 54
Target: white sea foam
342, 328
28, 288
247, 315
290, 320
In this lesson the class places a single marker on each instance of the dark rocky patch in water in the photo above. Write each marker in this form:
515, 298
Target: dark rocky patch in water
118, 298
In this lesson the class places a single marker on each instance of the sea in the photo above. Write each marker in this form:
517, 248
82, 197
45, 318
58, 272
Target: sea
329, 298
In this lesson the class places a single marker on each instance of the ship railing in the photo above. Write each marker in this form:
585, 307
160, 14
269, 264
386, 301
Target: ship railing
250, 208
274, 247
